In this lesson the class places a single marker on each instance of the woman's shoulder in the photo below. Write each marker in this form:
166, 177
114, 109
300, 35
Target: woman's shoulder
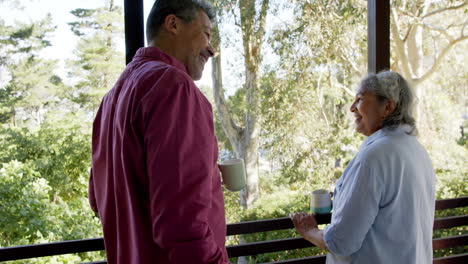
392, 147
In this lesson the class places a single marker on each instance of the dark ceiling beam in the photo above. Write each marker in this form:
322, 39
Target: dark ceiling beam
378, 35
134, 29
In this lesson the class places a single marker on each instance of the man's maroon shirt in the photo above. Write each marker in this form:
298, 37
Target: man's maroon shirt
154, 180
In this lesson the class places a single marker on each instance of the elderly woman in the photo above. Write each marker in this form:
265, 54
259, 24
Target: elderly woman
383, 207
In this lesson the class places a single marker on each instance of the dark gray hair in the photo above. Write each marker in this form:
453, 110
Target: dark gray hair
183, 9
390, 85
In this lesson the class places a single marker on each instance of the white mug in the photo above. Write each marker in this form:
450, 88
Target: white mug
233, 174
320, 202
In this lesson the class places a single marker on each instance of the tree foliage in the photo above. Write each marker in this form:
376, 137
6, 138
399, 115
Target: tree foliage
45, 138
243, 132
296, 72
321, 52
307, 131
98, 62
32, 82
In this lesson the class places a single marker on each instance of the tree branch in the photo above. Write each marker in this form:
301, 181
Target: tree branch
233, 132
320, 97
262, 17
457, 25
439, 60
408, 32
424, 7
410, 27
444, 9
463, 29
236, 23
440, 30
353, 66
420, 21
400, 46
346, 89
404, 12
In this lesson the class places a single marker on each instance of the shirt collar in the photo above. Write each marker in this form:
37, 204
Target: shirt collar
154, 53
399, 130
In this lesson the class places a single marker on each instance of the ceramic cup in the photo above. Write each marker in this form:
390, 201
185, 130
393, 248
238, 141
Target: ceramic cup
233, 174
320, 202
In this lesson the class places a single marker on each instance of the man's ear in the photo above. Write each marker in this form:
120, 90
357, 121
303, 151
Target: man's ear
171, 23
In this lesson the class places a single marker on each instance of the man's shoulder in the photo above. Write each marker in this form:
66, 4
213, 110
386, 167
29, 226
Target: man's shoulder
157, 79
158, 76
161, 69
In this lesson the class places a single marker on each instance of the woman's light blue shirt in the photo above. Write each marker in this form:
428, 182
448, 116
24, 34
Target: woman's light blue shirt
383, 208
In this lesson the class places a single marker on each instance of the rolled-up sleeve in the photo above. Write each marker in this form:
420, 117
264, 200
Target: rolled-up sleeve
354, 217
181, 162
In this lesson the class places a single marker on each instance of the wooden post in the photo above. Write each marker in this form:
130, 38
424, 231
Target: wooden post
378, 35
134, 35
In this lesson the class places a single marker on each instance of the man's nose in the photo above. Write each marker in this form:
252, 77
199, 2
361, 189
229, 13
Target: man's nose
210, 49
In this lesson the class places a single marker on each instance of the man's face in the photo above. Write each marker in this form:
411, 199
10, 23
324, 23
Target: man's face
196, 48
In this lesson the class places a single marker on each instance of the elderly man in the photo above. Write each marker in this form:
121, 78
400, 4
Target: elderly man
154, 180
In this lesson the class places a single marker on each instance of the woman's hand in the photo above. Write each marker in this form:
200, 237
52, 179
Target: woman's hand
304, 222
307, 227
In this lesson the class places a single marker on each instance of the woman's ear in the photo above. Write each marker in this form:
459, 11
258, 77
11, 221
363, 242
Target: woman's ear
390, 106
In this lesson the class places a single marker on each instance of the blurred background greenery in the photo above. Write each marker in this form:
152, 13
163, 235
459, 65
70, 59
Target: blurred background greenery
305, 59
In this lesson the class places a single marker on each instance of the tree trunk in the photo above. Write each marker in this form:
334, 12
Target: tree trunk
244, 137
244, 140
409, 48
414, 51
250, 141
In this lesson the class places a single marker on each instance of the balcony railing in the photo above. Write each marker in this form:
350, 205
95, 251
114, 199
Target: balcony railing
262, 247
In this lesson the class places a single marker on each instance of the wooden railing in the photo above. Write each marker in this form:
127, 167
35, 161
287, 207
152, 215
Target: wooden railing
256, 248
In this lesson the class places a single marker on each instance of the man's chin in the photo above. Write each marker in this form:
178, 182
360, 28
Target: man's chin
196, 75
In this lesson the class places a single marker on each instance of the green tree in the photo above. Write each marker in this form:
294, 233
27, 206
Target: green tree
307, 93
45, 138
306, 132
98, 62
429, 48
424, 33
250, 17
32, 83
43, 183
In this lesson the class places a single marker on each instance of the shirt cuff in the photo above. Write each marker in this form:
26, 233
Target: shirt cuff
328, 238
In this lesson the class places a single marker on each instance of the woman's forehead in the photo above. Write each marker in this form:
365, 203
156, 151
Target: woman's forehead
363, 91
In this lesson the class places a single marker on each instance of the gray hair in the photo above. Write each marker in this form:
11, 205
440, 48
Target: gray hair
183, 9
390, 85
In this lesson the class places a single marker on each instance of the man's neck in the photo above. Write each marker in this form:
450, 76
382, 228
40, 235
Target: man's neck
165, 45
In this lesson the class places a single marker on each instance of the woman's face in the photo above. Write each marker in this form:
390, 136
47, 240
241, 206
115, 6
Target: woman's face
368, 111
